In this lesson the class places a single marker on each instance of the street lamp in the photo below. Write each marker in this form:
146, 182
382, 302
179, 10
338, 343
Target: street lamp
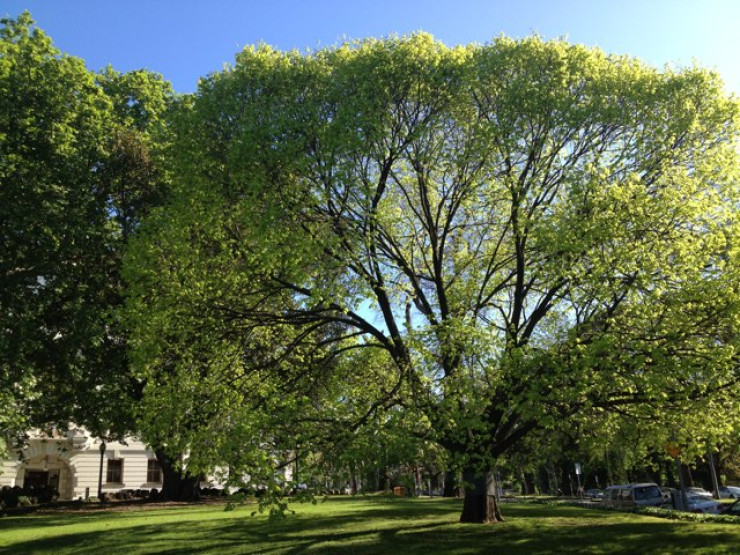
100, 476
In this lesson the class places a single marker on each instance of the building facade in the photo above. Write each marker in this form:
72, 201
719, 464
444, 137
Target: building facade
70, 462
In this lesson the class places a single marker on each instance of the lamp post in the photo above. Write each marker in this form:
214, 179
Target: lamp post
713, 472
100, 475
578, 477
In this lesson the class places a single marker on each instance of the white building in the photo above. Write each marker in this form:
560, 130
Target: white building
71, 463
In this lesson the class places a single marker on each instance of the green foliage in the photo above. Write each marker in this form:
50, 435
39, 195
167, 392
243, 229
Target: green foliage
491, 239
135, 169
77, 170
54, 229
688, 517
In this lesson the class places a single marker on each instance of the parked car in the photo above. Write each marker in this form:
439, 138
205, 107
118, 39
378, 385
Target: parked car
702, 502
698, 491
729, 492
733, 509
628, 496
668, 494
595, 494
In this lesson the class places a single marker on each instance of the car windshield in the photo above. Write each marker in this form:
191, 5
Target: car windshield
647, 492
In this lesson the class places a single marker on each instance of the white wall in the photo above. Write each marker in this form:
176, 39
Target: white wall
135, 456
77, 457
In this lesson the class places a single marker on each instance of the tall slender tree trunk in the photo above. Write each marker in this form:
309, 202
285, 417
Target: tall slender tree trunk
552, 480
352, 480
530, 483
449, 484
670, 474
384, 481
480, 504
687, 476
566, 483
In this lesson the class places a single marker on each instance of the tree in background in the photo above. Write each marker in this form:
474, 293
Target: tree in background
54, 225
80, 164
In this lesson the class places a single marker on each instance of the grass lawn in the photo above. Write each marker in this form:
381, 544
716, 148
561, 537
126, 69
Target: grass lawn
360, 525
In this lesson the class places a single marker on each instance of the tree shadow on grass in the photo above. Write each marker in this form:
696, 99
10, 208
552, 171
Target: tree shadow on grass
405, 527
404, 538
55, 519
231, 536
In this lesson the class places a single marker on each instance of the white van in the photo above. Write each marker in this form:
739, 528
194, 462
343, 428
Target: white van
629, 496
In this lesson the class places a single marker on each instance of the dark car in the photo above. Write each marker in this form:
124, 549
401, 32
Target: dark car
595, 494
733, 510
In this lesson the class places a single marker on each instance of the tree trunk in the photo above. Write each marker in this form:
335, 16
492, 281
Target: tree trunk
480, 505
384, 482
353, 484
449, 484
670, 474
687, 476
175, 485
543, 480
529, 483
553, 485
565, 480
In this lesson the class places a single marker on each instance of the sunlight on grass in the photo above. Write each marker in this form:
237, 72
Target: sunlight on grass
360, 525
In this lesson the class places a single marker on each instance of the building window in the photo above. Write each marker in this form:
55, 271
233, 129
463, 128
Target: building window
115, 471
153, 471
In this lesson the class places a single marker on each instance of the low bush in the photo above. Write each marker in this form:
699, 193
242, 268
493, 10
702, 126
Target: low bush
16, 496
688, 517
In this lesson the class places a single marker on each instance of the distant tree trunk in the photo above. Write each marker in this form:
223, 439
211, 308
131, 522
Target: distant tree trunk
529, 483
449, 484
480, 504
542, 480
384, 482
175, 485
687, 476
565, 480
670, 475
352, 480
552, 479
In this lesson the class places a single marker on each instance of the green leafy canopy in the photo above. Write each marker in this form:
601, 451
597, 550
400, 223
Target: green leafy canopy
513, 234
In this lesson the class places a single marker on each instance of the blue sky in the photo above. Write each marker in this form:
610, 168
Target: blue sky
186, 39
